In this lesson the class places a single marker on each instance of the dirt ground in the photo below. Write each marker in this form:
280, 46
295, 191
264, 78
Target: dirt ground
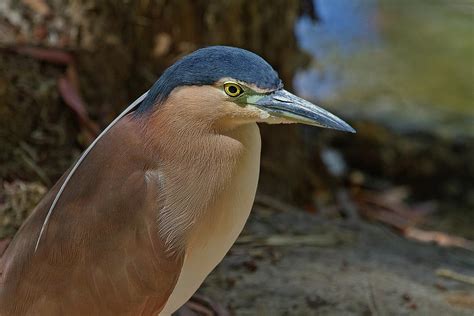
304, 265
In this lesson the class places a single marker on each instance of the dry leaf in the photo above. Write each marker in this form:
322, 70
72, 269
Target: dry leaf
439, 238
39, 6
461, 299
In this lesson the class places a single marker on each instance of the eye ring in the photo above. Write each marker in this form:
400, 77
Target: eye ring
232, 89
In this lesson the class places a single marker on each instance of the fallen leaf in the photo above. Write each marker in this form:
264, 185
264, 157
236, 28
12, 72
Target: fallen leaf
439, 238
38, 6
390, 208
461, 299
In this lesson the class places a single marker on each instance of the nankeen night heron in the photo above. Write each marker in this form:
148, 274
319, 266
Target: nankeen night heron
156, 201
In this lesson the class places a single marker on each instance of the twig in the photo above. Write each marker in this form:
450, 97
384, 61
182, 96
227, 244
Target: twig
449, 274
326, 240
266, 200
440, 238
371, 298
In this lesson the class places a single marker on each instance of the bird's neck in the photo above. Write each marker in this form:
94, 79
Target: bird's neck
195, 164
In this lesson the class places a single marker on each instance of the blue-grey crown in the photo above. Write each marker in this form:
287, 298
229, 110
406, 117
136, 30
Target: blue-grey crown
206, 66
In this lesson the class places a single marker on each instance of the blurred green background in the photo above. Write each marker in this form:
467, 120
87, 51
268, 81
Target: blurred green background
408, 63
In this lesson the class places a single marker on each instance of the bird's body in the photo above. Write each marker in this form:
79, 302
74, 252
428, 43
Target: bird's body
83, 271
154, 205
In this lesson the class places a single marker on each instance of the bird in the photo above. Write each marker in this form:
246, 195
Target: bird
158, 198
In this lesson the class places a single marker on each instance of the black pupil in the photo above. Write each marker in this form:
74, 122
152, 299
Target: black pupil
233, 89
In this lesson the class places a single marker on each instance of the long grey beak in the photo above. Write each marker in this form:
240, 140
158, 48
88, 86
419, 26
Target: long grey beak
282, 103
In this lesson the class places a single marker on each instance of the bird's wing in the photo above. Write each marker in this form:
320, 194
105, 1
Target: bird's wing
68, 175
100, 252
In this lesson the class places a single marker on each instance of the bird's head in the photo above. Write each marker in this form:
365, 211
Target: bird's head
229, 86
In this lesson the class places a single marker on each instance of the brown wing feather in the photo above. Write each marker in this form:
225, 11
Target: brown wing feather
101, 253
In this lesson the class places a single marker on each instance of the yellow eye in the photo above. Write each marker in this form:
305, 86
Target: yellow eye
233, 89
